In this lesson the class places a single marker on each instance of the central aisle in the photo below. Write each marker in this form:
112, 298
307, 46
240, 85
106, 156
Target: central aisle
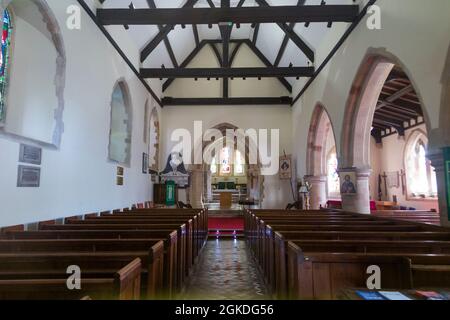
226, 271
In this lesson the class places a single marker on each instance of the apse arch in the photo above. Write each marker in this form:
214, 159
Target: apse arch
361, 105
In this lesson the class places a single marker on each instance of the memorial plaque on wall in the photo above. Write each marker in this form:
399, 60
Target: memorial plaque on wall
30, 154
28, 177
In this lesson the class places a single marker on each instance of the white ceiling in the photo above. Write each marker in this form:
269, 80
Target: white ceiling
269, 40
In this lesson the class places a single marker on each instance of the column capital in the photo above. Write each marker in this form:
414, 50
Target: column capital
320, 178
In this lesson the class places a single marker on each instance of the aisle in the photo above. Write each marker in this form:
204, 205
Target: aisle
226, 271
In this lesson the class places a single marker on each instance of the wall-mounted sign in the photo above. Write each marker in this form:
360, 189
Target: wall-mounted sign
28, 177
30, 154
285, 167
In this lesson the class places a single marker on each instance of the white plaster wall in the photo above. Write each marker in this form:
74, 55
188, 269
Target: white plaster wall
390, 158
78, 178
277, 193
31, 96
415, 32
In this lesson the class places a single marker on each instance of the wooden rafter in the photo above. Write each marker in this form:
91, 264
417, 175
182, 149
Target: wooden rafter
263, 14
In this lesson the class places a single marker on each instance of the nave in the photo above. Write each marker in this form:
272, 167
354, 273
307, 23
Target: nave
226, 270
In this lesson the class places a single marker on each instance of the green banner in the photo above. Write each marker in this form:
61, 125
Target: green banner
170, 193
447, 178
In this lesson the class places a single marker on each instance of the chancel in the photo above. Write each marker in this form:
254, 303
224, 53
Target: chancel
225, 149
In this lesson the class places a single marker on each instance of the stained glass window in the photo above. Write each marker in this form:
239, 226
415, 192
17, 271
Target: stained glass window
4, 60
225, 161
333, 176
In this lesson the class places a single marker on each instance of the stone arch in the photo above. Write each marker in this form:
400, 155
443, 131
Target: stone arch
361, 105
124, 134
154, 139
316, 155
199, 172
319, 129
50, 23
359, 113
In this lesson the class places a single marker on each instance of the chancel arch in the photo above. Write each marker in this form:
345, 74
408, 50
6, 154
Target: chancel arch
249, 179
321, 143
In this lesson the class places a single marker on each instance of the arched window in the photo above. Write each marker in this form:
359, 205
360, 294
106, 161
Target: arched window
332, 174
239, 164
4, 60
229, 164
225, 161
120, 127
420, 175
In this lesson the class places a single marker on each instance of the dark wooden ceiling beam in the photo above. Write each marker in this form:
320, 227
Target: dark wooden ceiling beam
266, 61
291, 34
122, 54
285, 41
173, 59
268, 72
186, 61
169, 101
225, 32
188, 15
234, 53
394, 115
216, 53
148, 49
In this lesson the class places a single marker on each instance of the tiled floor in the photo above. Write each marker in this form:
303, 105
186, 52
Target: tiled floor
226, 271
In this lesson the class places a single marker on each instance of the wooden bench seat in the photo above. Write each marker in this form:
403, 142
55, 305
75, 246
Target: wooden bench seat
121, 284
323, 276
184, 251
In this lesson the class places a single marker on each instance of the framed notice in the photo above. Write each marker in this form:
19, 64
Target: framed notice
285, 167
348, 182
144, 163
30, 154
28, 177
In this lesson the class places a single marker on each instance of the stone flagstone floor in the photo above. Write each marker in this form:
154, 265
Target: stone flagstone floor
225, 271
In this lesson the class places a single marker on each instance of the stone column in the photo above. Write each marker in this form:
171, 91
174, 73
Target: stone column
196, 188
209, 186
437, 161
318, 192
359, 203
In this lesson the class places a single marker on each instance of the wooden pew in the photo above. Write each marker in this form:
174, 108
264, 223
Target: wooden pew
149, 251
123, 284
323, 276
180, 264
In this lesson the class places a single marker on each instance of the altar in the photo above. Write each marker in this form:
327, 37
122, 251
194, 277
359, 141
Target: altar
226, 198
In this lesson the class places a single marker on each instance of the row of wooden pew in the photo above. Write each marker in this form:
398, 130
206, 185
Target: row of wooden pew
133, 254
427, 217
316, 254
